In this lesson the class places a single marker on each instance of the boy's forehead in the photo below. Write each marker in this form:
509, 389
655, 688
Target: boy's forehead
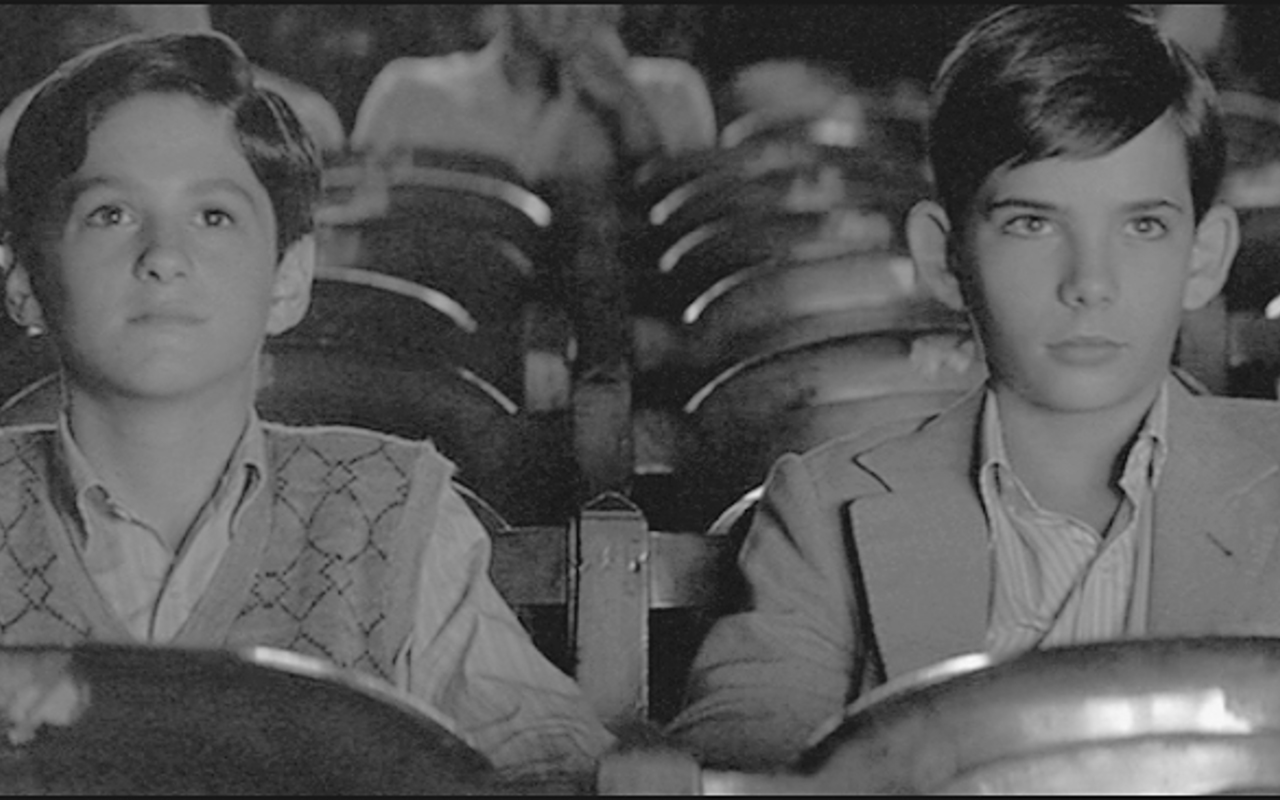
1155, 162
169, 136
149, 118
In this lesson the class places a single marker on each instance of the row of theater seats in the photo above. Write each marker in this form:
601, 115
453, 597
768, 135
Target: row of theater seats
778, 265
1245, 325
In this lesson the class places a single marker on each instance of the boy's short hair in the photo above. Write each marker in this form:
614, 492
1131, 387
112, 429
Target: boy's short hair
51, 138
1029, 83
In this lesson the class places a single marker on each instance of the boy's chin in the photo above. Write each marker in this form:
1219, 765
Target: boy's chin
164, 387
1088, 396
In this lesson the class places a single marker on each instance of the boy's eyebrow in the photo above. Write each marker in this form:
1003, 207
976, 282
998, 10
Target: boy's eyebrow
75, 186
1151, 204
225, 184
79, 185
997, 204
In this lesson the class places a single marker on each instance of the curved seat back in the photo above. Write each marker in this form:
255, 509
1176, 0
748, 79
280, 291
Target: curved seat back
520, 463
377, 313
793, 400
787, 304
24, 361
124, 720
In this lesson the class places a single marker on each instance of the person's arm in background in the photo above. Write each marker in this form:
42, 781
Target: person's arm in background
469, 658
680, 100
654, 106
598, 72
766, 678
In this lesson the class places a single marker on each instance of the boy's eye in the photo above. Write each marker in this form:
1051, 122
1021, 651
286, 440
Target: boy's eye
216, 218
1027, 225
1148, 227
107, 216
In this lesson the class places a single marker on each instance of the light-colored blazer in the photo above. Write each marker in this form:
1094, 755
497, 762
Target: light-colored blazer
868, 558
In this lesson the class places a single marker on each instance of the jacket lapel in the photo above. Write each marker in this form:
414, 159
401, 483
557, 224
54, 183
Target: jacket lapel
1208, 544
928, 585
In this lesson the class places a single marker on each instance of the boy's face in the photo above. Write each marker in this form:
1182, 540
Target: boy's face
162, 257
1077, 272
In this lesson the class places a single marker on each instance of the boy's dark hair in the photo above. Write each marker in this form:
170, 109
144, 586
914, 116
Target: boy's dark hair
1029, 83
51, 138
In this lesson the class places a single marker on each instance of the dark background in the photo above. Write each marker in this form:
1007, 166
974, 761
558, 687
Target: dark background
337, 49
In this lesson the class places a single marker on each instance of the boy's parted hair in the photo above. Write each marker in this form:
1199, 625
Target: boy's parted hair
51, 138
1029, 83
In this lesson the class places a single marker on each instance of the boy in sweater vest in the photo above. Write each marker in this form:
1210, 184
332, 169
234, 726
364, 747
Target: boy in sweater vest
160, 226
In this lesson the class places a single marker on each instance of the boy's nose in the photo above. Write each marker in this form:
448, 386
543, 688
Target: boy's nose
163, 257
1090, 277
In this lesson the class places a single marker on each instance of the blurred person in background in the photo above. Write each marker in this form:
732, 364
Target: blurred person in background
783, 89
554, 93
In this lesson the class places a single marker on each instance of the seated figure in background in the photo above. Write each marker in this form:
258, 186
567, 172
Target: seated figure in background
161, 223
774, 92
1083, 493
554, 94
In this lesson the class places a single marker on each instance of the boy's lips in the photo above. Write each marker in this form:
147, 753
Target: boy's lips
167, 316
1085, 350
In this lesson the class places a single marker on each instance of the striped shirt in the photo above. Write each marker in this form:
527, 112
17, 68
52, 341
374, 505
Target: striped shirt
1057, 580
468, 660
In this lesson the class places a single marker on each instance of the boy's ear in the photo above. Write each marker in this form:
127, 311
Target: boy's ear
1217, 239
291, 294
928, 232
19, 300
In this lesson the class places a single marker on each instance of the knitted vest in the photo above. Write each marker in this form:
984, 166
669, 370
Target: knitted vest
333, 572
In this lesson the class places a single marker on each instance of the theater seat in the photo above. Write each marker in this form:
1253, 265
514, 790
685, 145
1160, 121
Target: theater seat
612, 601
521, 463
409, 321
793, 400
122, 720
780, 305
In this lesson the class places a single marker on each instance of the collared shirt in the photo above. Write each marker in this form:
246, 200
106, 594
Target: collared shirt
1057, 580
467, 660
151, 588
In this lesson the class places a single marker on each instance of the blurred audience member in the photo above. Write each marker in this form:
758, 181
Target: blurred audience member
79, 27
1200, 28
1234, 43
1222, 38
554, 93
334, 49
785, 88
771, 93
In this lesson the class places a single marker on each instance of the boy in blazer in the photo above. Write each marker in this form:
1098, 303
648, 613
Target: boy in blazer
1083, 493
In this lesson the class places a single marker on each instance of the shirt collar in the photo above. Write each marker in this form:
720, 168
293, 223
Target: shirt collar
83, 486
993, 457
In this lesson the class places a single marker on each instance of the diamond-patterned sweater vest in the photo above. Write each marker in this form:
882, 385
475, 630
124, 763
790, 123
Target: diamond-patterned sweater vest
323, 561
